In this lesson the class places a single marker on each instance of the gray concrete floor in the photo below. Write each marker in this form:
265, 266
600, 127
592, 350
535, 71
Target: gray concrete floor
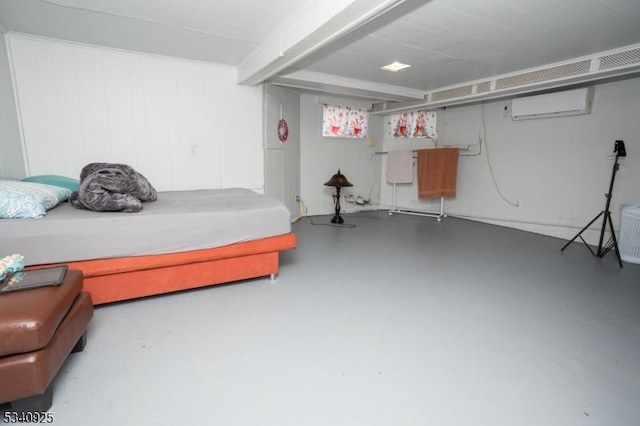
399, 320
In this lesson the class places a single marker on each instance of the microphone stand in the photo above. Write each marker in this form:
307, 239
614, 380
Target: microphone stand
612, 243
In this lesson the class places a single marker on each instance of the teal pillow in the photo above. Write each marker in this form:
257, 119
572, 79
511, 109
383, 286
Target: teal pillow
20, 200
63, 181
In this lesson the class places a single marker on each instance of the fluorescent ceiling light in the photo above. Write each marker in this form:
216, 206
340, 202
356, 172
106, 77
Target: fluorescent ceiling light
395, 67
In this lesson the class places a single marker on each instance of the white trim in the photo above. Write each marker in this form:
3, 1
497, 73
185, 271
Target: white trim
16, 99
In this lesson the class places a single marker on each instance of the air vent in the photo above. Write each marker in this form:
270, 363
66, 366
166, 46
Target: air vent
483, 87
622, 59
546, 74
452, 93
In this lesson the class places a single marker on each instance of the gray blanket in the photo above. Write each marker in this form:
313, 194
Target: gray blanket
107, 187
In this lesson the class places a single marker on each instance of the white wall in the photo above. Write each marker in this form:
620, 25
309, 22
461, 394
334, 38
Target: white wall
282, 159
556, 169
11, 158
183, 124
322, 157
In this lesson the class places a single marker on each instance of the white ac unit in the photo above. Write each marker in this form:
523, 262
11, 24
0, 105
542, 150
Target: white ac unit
557, 104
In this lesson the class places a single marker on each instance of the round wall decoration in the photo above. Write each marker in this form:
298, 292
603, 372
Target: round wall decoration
283, 130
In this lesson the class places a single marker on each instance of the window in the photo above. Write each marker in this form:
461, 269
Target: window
344, 122
419, 124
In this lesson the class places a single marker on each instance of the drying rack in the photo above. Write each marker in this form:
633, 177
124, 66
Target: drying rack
396, 210
438, 215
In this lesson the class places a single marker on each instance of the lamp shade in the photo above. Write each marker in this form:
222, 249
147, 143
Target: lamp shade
338, 180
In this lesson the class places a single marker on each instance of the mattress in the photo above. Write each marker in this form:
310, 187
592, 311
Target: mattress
178, 221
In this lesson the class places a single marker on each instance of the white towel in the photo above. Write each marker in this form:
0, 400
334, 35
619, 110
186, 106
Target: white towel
400, 166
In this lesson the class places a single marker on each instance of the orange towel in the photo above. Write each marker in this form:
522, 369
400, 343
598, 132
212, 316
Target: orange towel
437, 172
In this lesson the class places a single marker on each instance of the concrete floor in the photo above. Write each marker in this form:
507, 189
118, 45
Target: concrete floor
399, 320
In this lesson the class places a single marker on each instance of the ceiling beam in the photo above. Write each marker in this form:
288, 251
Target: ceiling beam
315, 25
311, 80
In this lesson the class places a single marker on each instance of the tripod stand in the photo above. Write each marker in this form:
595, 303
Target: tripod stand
612, 243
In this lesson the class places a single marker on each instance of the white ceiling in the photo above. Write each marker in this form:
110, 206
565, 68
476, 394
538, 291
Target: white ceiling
341, 45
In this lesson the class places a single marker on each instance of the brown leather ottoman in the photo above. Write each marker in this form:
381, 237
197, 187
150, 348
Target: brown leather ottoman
39, 328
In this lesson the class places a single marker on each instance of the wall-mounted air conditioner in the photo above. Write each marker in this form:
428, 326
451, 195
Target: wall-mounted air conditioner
557, 104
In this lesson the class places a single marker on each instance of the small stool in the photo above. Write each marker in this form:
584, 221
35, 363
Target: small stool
39, 328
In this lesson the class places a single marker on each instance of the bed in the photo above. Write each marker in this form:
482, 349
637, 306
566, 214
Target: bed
184, 240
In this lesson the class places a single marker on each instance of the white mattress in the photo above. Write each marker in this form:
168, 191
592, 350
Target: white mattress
177, 221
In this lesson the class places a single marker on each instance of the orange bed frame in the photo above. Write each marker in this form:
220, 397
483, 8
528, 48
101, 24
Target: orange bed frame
117, 279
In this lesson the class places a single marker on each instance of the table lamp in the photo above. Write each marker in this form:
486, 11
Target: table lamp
338, 181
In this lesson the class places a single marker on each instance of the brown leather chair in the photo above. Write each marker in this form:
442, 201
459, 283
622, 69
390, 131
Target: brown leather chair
39, 328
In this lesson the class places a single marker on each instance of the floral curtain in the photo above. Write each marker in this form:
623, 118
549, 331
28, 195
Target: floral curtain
344, 121
419, 124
